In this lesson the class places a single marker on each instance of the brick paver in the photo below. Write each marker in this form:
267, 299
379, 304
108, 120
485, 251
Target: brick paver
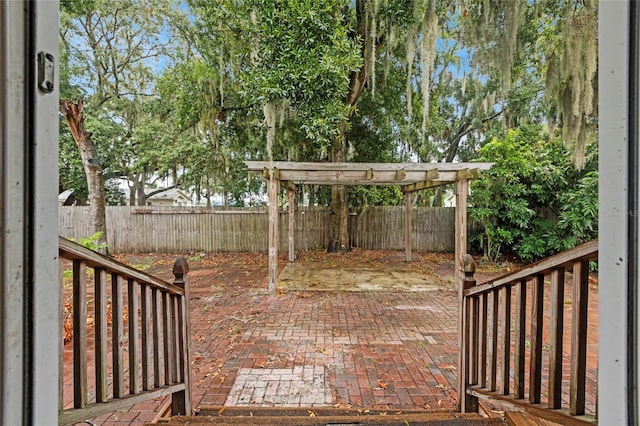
367, 349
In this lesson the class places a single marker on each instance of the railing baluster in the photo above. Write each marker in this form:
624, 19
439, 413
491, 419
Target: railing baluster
166, 333
169, 337
555, 338
117, 335
132, 295
157, 319
475, 340
506, 339
181, 339
174, 340
579, 337
100, 322
145, 313
493, 346
535, 370
521, 305
79, 334
482, 351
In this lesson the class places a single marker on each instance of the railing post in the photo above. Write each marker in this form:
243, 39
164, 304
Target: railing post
181, 401
467, 343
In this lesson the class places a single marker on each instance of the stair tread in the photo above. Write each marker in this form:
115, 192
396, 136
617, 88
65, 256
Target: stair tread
327, 416
519, 418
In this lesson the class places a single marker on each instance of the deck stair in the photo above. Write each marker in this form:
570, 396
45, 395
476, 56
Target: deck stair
327, 416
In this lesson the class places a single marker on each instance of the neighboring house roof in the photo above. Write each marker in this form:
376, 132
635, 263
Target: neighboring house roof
64, 195
174, 194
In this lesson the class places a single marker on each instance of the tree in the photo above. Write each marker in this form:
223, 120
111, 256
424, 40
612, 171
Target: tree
472, 70
111, 49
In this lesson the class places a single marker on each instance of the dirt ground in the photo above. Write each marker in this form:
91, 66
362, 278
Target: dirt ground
343, 271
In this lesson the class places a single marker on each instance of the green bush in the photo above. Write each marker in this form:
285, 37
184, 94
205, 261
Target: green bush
533, 202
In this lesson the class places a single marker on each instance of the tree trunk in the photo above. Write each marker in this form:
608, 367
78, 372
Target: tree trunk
339, 240
141, 198
73, 114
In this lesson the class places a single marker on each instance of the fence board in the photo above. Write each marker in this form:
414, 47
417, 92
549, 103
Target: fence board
184, 229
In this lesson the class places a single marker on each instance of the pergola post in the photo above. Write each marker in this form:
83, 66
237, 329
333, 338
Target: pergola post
407, 226
291, 193
462, 191
274, 187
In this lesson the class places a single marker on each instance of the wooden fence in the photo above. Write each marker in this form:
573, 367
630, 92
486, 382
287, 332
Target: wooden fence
183, 229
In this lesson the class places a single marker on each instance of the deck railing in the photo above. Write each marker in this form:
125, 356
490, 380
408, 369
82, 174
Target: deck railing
491, 358
137, 338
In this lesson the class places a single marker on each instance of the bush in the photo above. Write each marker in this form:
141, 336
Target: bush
533, 202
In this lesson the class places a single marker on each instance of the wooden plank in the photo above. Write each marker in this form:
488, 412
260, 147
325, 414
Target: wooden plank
506, 339
100, 321
117, 335
369, 174
146, 319
175, 322
556, 328
535, 367
493, 344
521, 304
156, 301
259, 166
408, 212
73, 416
181, 401
482, 350
182, 352
132, 297
507, 403
466, 340
79, 334
166, 340
419, 186
473, 359
273, 190
577, 384
585, 251
360, 177
292, 224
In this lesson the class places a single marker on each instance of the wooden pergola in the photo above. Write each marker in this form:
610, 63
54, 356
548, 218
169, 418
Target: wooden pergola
410, 177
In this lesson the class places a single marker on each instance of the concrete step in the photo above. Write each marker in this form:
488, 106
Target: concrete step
327, 416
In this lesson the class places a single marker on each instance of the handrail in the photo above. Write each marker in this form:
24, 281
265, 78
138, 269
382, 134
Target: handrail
545, 266
149, 333
70, 250
491, 360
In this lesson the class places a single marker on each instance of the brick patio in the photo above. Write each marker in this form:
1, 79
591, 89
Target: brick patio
370, 349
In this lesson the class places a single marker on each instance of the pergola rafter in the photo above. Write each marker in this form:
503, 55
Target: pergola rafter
410, 177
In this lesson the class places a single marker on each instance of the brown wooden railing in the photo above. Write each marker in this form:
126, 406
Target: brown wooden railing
491, 359
130, 332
